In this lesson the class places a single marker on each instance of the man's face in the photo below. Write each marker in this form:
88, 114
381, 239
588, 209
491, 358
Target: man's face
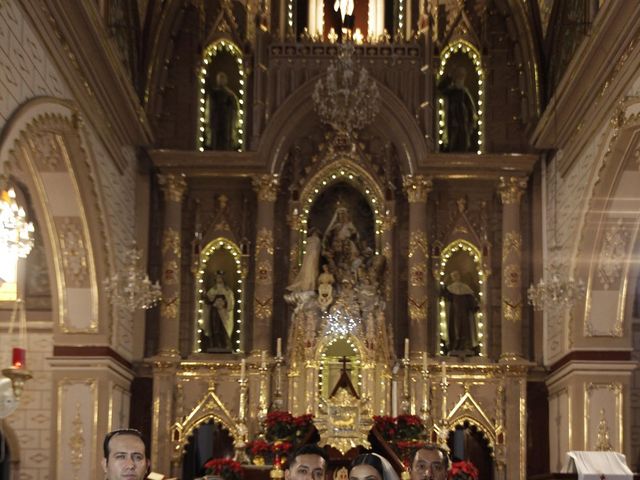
306, 467
428, 464
127, 459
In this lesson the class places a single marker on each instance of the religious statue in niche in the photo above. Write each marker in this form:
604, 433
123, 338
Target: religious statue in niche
348, 295
222, 109
221, 308
461, 306
218, 303
460, 112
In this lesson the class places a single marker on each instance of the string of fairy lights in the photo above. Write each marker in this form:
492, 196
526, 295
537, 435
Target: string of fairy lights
221, 46
447, 253
466, 48
234, 251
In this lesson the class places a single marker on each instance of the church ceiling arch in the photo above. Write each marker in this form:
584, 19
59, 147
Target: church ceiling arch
608, 236
45, 146
296, 114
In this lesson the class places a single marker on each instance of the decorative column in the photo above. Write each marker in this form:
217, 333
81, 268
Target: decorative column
173, 187
266, 187
417, 188
511, 189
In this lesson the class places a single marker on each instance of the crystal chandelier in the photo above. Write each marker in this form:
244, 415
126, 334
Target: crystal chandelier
553, 292
347, 99
131, 287
16, 234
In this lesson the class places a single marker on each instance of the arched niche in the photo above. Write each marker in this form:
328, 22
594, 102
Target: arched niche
465, 258
461, 86
330, 354
209, 439
220, 261
222, 103
342, 175
468, 440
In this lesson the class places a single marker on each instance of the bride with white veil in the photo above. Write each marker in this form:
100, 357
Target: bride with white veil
371, 466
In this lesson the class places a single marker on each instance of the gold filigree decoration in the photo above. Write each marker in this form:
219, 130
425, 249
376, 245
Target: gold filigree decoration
264, 273
264, 242
602, 440
417, 187
511, 189
417, 310
49, 152
613, 255
76, 442
512, 275
387, 221
418, 243
512, 243
263, 309
74, 251
169, 308
266, 186
173, 186
418, 276
511, 312
170, 274
171, 242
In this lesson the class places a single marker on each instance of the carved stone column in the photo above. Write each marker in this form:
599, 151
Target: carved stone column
511, 189
266, 186
173, 187
417, 188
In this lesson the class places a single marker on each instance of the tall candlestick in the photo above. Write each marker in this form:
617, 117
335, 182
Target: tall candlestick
424, 361
406, 348
243, 367
279, 347
263, 359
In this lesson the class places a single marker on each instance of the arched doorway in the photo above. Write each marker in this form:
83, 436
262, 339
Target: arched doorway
209, 440
466, 442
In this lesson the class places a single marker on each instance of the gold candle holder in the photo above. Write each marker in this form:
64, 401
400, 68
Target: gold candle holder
18, 377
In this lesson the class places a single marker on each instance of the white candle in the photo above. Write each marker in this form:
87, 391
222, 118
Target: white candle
424, 361
444, 371
394, 398
263, 358
279, 347
243, 366
406, 348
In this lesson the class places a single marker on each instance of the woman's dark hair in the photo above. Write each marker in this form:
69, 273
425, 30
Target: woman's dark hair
368, 459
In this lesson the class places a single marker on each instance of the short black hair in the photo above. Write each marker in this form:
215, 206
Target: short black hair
433, 448
368, 459
308, 449
123, 431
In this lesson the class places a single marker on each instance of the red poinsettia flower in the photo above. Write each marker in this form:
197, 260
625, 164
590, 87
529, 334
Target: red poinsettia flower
227, 468
463, 470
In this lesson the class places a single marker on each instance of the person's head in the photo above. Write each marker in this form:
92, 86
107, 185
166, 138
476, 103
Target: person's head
309, 462
220, 277
455, 276
220, 301
366, 467
125, 455
459, 76
430, 462
221, 79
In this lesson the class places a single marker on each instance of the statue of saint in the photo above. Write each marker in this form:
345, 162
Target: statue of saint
460, 112
221, 304
461, 306
223, 107
306, 279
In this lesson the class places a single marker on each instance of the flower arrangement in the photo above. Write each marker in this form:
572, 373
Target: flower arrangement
284, 426
463, 470
406, 434
224, 467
